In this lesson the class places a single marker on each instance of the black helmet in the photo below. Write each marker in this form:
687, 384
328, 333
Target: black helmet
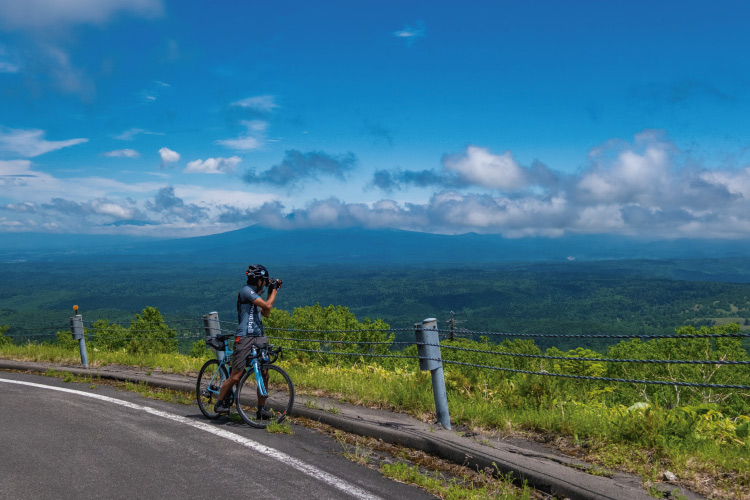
256, 272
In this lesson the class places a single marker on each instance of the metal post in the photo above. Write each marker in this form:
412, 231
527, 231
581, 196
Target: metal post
451, 324
76, 328
428, 347
213, 330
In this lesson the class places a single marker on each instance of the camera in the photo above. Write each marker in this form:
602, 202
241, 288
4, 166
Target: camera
274, 284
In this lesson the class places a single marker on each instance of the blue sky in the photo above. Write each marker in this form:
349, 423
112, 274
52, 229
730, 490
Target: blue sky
539, 118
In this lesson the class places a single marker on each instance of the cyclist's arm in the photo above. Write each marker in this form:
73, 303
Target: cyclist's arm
266, 305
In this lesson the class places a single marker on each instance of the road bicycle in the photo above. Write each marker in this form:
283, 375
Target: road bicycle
263, 382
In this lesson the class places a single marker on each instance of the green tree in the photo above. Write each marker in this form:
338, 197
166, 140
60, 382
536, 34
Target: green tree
3, 339
149, 332
329, 329
685, 348
111, 337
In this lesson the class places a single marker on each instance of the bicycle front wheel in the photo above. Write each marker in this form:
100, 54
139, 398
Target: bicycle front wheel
257, 410
210, 378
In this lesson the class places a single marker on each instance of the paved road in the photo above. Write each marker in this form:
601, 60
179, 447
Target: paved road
103, 443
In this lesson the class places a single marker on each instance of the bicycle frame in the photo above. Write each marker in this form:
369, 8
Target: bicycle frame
258, 375
255, 357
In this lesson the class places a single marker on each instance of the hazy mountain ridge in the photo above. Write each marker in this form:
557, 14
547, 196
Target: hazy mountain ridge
348, 246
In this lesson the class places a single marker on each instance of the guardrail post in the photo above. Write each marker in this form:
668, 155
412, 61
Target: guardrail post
428, 347
76, 328
213, 330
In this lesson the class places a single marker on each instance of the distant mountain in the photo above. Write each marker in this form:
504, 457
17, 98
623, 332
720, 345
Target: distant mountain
349, 246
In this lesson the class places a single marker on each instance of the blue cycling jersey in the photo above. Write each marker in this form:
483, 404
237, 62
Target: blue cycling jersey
249, 318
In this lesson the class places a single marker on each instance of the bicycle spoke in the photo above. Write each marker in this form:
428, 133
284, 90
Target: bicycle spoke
208, 386
276, 406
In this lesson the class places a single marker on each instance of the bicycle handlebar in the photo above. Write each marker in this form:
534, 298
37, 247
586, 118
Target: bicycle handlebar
273, 353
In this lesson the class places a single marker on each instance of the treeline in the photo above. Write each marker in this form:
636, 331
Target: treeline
572, 298
333, 335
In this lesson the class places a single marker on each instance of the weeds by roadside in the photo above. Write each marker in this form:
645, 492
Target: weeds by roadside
439, 477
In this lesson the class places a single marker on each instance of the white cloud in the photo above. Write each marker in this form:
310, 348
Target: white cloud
41, 14
213, 166
168, 156
245, 143
123, 153
15, 167
411, 33
640, 173
479, 166
262, 103
734, 181
223, 197
639, 187
6, 67
30, 143
130, 134
23, 184
254, 138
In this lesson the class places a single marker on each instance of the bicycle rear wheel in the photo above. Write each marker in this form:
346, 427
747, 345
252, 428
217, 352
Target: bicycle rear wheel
278, 404
207, 388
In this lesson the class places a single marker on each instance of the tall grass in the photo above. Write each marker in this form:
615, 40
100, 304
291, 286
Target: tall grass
70, 356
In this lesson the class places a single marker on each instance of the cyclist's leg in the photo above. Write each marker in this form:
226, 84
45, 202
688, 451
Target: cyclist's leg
242, 348
278, 402
229, 383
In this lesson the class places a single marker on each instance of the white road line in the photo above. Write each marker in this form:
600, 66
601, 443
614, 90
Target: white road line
301, 466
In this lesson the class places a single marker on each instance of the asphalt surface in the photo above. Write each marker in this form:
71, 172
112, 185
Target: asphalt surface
71, 440
541, 467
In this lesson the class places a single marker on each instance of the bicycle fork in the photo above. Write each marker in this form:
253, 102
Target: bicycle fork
259, 379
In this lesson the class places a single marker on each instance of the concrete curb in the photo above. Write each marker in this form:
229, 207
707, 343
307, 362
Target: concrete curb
558, 475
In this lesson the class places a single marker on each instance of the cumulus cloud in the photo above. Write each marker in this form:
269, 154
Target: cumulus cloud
172, 208
213, 166
475, 167
41, 14
253, 139
639, 187
395, 180
168, 156
644, 186
31, 143
164, 209
480, 167
446, 212
123, 153
298, 167
64, 213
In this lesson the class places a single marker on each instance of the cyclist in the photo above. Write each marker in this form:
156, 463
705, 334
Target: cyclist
250, 311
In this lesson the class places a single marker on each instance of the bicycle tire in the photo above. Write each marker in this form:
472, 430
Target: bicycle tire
208, 377
278, 402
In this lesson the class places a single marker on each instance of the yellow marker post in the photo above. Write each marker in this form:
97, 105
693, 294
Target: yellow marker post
76, 328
